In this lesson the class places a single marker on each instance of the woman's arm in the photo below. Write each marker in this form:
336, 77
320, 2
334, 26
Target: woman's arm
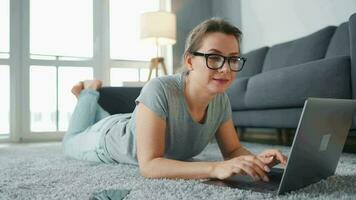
150, 151
228, 141
151, 147
231, 147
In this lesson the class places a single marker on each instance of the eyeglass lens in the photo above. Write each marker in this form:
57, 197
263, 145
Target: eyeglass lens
216, 61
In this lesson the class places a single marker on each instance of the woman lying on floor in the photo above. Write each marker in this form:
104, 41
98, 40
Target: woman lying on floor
175, 117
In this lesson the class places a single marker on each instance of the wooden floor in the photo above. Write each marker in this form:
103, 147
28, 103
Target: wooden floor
285, 137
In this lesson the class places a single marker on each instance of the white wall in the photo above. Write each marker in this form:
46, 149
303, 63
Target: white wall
265, 23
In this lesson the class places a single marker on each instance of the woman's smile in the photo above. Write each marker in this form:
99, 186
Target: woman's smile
222, 81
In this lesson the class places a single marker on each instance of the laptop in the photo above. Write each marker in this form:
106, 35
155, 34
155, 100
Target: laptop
320, 137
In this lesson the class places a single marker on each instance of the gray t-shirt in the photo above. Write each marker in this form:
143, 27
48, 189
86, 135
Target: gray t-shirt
185, 138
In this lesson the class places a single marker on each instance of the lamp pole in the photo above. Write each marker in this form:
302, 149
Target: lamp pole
157, 48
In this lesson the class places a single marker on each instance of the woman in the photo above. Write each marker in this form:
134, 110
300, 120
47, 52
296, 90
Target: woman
175, 117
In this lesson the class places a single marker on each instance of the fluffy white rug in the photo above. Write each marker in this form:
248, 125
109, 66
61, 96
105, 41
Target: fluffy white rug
42, 172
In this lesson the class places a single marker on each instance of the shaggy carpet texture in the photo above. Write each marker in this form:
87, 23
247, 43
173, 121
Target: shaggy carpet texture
41, 171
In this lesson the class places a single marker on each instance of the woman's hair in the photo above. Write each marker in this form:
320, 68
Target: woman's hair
196, 36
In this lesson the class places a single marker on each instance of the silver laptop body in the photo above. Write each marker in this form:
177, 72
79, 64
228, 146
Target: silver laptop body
320, 137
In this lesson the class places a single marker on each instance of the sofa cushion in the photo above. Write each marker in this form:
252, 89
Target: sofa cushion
118, 99
340, 42
236, 93
253, 65
308, 48
276, 56
289, 87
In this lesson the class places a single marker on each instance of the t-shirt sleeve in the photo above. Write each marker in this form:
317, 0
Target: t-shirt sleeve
153, 96
227, 113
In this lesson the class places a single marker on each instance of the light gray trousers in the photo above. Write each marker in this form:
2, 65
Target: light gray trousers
82, 140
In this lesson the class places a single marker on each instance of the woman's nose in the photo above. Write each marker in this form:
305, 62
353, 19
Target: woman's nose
225, 68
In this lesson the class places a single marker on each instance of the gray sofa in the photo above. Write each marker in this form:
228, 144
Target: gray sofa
271, 89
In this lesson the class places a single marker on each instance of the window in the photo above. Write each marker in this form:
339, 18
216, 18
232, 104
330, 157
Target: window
50, 107
4, 28
61, 27
54, 48
120, 75
4, 67
61, 51
125, 41
4, 100
43, 98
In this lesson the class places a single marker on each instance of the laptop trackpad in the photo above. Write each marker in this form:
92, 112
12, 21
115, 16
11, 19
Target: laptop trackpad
246, 182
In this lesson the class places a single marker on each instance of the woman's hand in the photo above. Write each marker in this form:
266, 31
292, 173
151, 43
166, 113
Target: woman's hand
272, 157
241, 165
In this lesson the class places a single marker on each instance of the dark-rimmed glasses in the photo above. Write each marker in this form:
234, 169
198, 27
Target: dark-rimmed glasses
217, 61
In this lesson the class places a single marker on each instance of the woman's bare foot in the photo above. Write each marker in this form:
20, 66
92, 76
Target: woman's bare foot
92, 84
77, 88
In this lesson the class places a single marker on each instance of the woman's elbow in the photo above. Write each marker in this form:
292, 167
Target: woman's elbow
144, 172
147, 172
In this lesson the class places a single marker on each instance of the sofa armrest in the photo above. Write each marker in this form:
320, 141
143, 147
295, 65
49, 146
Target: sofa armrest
352, 33
118, 99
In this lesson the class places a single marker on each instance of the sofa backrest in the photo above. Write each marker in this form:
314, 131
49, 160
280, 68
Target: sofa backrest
254, 62
340, 42
308, 48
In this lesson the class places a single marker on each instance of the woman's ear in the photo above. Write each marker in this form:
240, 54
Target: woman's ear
188, 62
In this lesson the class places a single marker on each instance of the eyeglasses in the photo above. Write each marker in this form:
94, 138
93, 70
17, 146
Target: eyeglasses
216, 61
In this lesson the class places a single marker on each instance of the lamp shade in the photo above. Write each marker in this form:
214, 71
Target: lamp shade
158, 27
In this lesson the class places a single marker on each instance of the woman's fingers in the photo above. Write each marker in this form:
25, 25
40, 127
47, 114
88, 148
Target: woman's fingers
243, 167
285, 160
252, 169
258, 162
266, 160
276, 154
282, 159
256, 166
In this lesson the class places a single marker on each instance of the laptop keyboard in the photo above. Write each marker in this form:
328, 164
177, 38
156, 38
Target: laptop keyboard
246, 182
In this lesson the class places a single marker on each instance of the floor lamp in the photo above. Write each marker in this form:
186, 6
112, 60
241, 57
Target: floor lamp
158, 28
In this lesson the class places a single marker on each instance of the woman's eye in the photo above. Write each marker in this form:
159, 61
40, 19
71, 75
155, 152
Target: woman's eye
234, 60
215, 58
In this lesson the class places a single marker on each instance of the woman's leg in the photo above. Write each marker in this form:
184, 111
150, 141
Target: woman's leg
85, 117
84, 112
100, 113
81, 141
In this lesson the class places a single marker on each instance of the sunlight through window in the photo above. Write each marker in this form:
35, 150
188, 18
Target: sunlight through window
4, 28
48, 108
5, 99
43, 106
125, 41
61, 27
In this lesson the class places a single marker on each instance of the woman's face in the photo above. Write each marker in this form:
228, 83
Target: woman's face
213, 81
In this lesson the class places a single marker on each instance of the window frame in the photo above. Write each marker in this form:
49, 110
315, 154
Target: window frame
20, 61
5, 137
